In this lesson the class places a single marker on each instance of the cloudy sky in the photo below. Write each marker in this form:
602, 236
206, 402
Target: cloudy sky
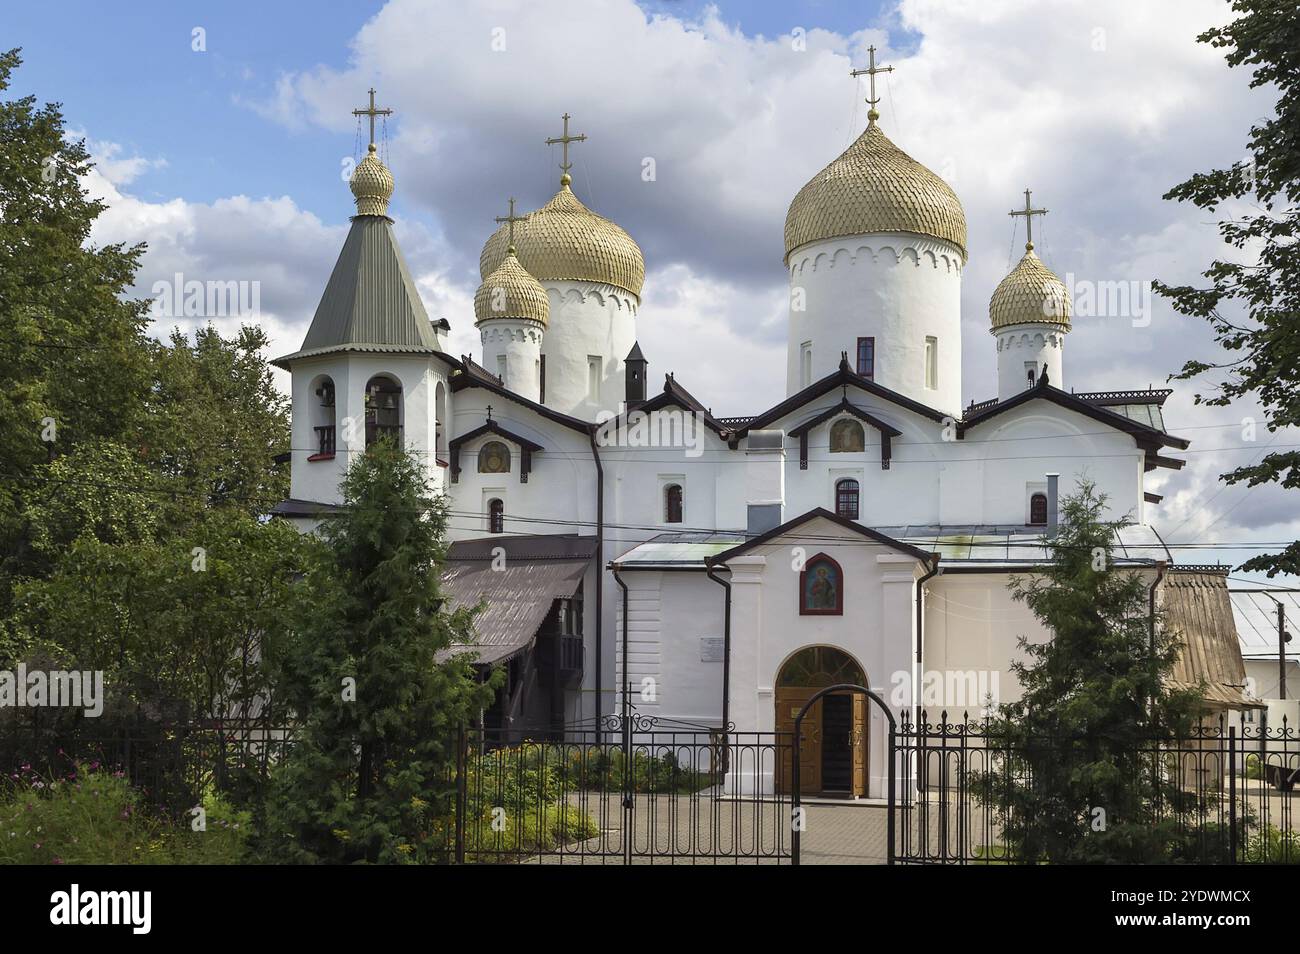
229, 161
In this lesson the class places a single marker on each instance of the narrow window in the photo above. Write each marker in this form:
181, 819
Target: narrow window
931, 362
846, 498
867, 358
1038, 510
541, 387
496, 516
673, 503
593, 377
1031, 372
501, 367
805, 364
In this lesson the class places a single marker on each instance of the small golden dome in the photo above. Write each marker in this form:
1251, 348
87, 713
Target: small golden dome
371, 184
1030, 295
566, 241
510, 292
874, 187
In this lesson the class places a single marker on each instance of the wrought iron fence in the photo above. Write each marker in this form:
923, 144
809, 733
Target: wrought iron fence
1222, 795
629, 791
646, 791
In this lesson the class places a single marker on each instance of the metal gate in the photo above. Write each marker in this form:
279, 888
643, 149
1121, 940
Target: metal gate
796, 811
633, 790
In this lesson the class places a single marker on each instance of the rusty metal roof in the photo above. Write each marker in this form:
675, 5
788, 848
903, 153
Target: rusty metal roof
517, 589
1198, 610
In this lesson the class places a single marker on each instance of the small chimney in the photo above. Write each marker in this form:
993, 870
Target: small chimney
1053, 505
764, 481
634, 369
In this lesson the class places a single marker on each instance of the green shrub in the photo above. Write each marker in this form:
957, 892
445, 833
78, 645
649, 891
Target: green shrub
93, 816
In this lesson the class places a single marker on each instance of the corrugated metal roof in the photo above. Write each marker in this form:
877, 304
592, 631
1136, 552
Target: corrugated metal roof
984, 546
1198, 610
517, 598
1256, 617
370, 301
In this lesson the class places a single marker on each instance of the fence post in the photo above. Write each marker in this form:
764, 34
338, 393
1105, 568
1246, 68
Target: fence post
795, 821
461, 786
893, 781
1232, 795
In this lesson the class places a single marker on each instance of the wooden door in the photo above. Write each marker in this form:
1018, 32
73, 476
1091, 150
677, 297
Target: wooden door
861, 708
789, 700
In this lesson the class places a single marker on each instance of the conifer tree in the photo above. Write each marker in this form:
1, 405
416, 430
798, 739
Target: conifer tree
373, 681
1073, 779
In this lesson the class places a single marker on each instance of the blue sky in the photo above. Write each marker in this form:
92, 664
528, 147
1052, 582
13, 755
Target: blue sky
128, 73
227, 161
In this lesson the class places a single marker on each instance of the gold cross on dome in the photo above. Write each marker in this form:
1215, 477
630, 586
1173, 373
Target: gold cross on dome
1028, 212
512, 219
870, 72
372, 112
564, 140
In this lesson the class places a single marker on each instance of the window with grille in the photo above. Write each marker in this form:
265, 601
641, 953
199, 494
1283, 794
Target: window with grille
846, 498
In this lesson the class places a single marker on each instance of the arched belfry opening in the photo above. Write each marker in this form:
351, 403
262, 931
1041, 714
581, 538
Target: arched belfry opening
384, 410
833, 747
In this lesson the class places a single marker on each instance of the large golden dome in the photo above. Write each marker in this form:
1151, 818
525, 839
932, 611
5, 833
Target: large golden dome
1029, 295
874, 187
510, 292
566, 241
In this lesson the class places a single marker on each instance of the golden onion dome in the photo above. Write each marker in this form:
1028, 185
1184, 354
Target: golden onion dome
566, 241
874, 187
371, 185
1030, 295
510, 292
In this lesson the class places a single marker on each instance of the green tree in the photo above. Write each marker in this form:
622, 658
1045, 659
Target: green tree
74, 369
372, 679
177, 624
1094, 700
213, 422
1252, 301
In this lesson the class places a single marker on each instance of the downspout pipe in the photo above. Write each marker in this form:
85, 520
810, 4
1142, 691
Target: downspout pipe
1161, 567
627, 700
711, 569
600, 568
920, 605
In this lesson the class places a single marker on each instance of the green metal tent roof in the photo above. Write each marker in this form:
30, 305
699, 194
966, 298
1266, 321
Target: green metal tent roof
370, 302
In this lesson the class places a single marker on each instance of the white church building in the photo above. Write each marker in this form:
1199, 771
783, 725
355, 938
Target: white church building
863, 529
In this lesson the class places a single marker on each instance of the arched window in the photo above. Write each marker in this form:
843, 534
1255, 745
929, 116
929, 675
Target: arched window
496, 516
1038, 510
383, 410
494, 458
847, 437
321, 405
846, 498
673, 503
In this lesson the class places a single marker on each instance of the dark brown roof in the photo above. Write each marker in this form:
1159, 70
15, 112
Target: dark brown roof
844, 376
824, 514
475, 376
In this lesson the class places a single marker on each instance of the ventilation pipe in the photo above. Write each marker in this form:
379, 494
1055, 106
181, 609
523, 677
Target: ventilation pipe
1053, 504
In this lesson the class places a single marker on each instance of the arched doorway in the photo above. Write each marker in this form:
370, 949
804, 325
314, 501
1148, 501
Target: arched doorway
833, 746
